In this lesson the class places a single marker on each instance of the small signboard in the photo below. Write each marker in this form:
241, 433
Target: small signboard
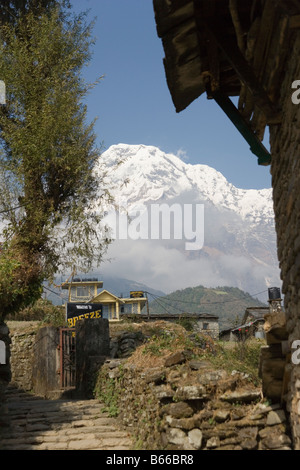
81, 311
136, 294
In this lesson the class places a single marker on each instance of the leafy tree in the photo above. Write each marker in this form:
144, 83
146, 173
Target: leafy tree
49, 190
12, 10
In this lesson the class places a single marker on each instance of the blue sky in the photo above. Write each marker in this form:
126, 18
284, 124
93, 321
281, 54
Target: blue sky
133, 103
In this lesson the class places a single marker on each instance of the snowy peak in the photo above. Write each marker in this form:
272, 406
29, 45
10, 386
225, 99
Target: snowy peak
153, 175
239, 242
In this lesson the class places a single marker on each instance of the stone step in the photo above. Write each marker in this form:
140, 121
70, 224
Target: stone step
39, 424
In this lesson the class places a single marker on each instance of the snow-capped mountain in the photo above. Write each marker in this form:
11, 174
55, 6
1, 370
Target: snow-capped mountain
239, 246
153, 175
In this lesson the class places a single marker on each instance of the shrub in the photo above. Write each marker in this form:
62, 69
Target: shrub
42, 310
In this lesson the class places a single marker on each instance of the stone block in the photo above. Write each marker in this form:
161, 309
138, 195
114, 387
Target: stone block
176, 358
195, 438
178, 410
191, 392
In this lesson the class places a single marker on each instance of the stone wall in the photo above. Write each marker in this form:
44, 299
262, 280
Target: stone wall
198, 322
186, 405
22, 353
285, 169
5, 374
35, 361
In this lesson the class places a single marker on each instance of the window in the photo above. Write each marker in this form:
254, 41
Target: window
127, 308
205, 326
82, 291
105, 312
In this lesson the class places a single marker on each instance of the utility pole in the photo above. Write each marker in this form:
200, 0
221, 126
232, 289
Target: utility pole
148, 313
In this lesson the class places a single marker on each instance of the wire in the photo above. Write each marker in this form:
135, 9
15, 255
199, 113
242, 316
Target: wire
156, 300
53, 292
203, 303
187, 302
168, 300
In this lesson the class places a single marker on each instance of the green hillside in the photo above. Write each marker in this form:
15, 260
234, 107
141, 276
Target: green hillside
228, 303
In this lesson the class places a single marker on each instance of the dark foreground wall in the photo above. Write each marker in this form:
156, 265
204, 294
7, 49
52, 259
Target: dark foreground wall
92, 349
285, 169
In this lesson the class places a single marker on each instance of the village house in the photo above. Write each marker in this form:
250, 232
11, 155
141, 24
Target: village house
252, 325
135, 307
112, 307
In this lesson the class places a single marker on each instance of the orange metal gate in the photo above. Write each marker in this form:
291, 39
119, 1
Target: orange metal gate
67, 357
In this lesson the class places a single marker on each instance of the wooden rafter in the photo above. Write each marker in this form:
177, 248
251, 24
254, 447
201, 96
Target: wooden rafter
229, 48
244, 71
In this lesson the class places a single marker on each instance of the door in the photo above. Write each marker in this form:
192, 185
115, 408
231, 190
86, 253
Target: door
67, 357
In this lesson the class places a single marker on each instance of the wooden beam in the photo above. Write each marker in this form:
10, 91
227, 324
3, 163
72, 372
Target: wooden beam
244, 71
256, 146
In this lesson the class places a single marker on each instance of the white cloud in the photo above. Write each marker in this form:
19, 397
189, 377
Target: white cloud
165, 268
182, 154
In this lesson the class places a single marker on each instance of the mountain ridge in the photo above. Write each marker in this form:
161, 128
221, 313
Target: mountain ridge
239, 246
228, 303
158, 175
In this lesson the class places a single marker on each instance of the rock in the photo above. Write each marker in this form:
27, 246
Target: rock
249, 444
197, 365
191, 392
113, 363
211, 377
178, 410
227, 384
263, 409
276, 417
176, 358
114, 373
221, 415
275, 441
195, 438
242, 396
182, 423
237, 413
186, 423
163, 391
155, 375
276, 335
213, 442
177, 436
274, 320
248, 433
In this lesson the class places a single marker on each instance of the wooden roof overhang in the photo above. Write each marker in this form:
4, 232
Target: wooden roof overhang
228, 48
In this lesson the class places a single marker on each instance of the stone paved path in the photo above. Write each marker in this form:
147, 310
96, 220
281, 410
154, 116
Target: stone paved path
64, 424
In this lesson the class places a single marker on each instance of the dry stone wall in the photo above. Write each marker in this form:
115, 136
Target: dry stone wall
186, 405
183, 404
22, 352
285, 169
